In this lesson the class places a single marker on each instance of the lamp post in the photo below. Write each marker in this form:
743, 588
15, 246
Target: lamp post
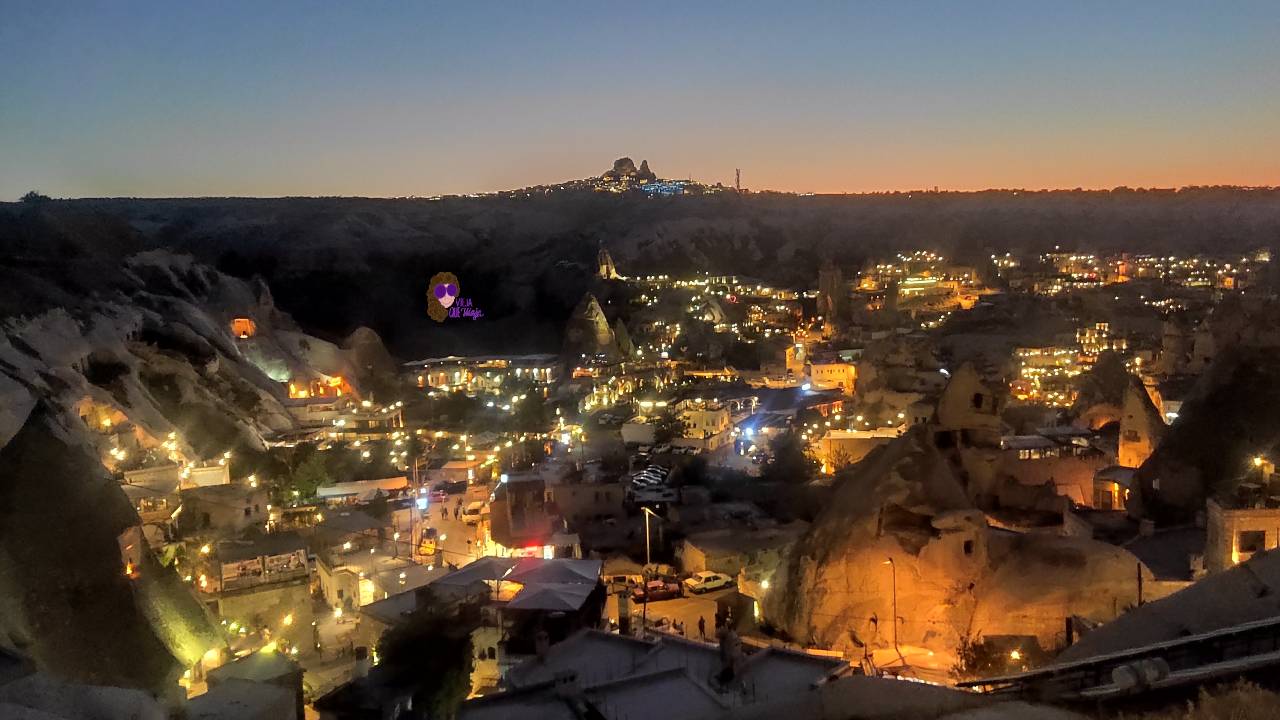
647, 512
648, 560
893, 571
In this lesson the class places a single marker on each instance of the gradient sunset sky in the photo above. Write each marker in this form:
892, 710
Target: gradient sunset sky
421, 98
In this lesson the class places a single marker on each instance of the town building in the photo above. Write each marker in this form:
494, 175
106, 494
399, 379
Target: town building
266, 577
1239, 529
483, 372
602, 675
264, 684
833, 374
739, 551
706, 425
522, 524
841, 448
224, 510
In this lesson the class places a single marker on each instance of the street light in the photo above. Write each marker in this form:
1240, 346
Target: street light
893, 570
648, 560
647, 512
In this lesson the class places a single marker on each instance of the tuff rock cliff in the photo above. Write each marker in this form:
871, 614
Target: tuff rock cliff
909, 521
148, 353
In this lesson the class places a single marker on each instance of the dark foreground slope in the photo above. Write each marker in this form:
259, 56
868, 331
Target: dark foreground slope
64, 595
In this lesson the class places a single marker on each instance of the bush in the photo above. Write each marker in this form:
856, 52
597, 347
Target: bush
1241, 701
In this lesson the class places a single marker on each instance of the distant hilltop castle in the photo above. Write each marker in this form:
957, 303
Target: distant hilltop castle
624, 170
625, 177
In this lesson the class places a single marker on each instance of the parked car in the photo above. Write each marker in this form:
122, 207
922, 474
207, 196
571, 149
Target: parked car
471, 513
625, 580
706, 581
655, 590
663, 448
438, 493
642, 495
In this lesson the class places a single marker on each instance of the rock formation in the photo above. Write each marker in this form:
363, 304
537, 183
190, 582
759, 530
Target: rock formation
605, 269
588, 333
906, 521
1228, 418
151, 353
623, 167
623, 339
1141, 426
832, 293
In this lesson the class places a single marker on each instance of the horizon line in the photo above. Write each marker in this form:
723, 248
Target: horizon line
728, 190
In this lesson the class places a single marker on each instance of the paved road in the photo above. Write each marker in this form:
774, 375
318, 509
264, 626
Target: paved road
686, 610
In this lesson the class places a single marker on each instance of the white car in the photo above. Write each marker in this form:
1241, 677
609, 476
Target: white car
706, 581
472, 512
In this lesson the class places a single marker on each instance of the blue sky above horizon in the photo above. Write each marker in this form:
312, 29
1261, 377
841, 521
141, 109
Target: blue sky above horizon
388, 99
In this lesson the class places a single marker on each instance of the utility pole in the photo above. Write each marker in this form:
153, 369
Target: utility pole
737, 179
648, 560
893, 569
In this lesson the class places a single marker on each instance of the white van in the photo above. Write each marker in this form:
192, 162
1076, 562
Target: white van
472, 512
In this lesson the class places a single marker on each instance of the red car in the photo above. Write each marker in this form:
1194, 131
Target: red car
655, 590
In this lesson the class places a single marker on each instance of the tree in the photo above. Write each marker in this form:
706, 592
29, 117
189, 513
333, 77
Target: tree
33, 197
378, 508
789, 461
431, 650
669, 425
309, 476
693, 471
531, 414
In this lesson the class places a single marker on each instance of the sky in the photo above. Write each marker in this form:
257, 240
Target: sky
277, 98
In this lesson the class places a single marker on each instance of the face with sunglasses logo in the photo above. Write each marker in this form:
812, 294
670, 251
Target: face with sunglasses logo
443, 291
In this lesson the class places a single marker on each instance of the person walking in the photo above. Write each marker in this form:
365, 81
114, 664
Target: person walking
702, 628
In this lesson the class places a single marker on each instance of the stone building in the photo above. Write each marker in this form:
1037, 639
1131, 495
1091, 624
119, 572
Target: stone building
1238, 531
